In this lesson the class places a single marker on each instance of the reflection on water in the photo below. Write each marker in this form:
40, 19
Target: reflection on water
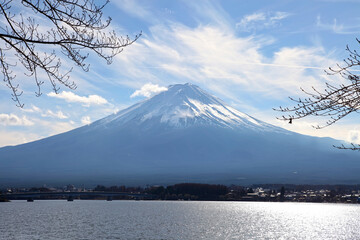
82, 219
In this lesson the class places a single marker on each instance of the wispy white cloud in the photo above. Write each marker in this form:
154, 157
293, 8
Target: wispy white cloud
72, 97
255, 17
278, 16
223, 62
135, 8
14, 120
148, 90
210, 12
33, 109
48, 113
85, 120
59, 114
337, 27
261, 20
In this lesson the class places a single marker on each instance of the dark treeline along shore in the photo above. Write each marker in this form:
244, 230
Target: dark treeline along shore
195, 191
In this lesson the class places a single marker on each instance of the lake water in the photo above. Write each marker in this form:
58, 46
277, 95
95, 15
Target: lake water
93, 219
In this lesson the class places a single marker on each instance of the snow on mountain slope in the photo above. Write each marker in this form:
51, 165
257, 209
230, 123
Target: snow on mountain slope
184, 105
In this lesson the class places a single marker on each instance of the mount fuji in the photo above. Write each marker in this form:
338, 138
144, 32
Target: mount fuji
183, 134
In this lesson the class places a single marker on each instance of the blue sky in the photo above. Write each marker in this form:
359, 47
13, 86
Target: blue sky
251, 54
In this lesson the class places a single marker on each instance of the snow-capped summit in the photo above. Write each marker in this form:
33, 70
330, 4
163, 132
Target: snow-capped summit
184, 105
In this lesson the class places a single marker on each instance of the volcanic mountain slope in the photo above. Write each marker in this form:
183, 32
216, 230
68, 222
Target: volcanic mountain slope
180, 135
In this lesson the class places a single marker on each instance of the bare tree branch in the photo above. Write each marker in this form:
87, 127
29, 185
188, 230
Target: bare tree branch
72, 27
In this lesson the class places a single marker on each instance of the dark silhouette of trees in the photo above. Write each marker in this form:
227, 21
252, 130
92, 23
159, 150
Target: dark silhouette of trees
282, 193
193, 191
203, 191
72, 27
40, 189
334, 102
122, 188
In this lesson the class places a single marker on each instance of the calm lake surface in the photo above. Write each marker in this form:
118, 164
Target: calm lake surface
81, 219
